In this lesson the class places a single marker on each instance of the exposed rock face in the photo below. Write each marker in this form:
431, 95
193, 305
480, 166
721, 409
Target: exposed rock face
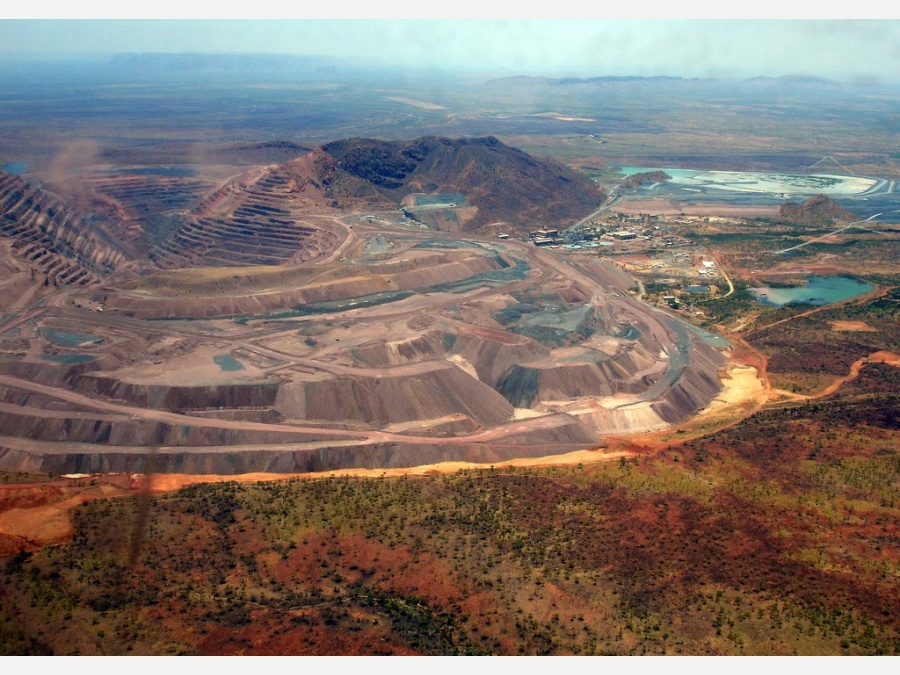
68, 248
104, 431
436, 390
635, 179
255, 224
170, 397
503, 183
818, 210
694, 389
332, 283
494, 354
567, 435
259, 222
426, 346
590, 374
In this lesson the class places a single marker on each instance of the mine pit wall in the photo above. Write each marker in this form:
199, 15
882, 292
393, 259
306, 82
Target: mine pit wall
526, 385
578, 380
428, 345
492, 359
697, 386
35, 216
461, 426
126, 460
605, 377
112, 430
21, 398
180, 398
52, 374
629, 419
435, 391
346, 286
67, 441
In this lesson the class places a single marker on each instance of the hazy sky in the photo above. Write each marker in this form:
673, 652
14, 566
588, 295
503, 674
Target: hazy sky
840, 48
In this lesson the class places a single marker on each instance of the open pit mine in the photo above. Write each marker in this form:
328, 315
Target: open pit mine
296, 318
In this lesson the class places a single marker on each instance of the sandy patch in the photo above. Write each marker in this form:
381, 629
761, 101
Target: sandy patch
564, 118
888, 358
742, 389
665, 207
740, 385
170, 481
199, 367
852, 326
713, 209
462, 363
526, 413
424, 105
40, 525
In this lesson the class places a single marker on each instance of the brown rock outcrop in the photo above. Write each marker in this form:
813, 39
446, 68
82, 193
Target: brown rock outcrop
818, 210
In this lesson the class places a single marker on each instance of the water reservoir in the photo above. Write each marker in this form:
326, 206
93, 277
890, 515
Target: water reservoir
816, 291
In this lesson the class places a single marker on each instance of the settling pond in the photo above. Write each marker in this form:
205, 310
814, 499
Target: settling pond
816, 291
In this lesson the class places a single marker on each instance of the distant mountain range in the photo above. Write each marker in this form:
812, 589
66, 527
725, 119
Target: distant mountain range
619, 80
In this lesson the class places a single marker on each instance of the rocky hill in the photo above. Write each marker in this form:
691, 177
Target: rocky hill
636, 179
182, 220
818, 210
502, 183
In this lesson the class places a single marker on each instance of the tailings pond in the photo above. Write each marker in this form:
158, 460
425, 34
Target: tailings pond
866, 197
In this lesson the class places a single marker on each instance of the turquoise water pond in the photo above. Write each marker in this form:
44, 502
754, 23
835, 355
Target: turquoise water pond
15, 167
67, 339
816, 291
227, 362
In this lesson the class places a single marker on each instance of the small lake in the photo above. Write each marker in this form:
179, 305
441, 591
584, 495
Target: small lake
227, 362
66, 339
15, 167
816, 291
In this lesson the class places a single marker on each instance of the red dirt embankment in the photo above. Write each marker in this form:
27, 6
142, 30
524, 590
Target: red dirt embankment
33, 515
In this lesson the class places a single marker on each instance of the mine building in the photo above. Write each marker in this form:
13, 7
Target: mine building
624, 235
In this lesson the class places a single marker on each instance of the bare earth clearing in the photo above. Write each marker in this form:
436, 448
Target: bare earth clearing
665, 207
